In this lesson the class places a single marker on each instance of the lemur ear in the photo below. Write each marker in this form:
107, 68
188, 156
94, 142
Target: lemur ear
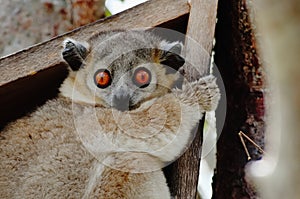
171, 56
74, 53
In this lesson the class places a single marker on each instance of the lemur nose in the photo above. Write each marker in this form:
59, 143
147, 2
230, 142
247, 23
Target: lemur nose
121, 102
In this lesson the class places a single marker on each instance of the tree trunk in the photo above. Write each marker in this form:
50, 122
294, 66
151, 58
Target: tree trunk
238, 62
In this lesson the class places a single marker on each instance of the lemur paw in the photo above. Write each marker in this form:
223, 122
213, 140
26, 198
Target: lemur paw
204, 92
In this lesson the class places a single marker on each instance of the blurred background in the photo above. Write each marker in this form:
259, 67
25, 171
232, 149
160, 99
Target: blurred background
26, 22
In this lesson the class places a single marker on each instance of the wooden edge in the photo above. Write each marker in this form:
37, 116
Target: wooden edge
200, 36
47, 54
183, 174
202, 22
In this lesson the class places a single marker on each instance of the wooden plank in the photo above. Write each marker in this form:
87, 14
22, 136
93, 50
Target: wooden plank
47, 54
183, 174
200, 36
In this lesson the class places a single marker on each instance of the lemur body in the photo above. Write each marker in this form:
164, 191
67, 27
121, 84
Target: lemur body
86, 144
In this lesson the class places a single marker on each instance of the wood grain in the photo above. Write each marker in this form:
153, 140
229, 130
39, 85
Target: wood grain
200, 36
183, 174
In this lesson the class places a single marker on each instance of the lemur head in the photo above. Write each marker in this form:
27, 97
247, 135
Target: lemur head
121, 69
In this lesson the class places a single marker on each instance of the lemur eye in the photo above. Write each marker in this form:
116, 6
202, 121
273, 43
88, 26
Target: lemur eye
142, 77
102, 78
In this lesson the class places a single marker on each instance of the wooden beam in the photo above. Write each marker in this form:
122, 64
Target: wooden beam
183, 174
200, 36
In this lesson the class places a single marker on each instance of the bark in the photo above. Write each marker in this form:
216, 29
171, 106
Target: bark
237, 59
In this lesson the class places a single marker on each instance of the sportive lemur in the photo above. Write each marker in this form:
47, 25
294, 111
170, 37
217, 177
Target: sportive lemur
122, 114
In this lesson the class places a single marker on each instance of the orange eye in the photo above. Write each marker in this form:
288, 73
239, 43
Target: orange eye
142, 77
102, 78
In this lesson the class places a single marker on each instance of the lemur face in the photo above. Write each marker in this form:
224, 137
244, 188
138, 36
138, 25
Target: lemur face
124, 70
127, 81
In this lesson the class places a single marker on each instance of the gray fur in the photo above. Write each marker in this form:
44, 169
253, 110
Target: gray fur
79, 146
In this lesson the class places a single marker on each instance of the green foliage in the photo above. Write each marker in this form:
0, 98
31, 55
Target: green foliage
107, 13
